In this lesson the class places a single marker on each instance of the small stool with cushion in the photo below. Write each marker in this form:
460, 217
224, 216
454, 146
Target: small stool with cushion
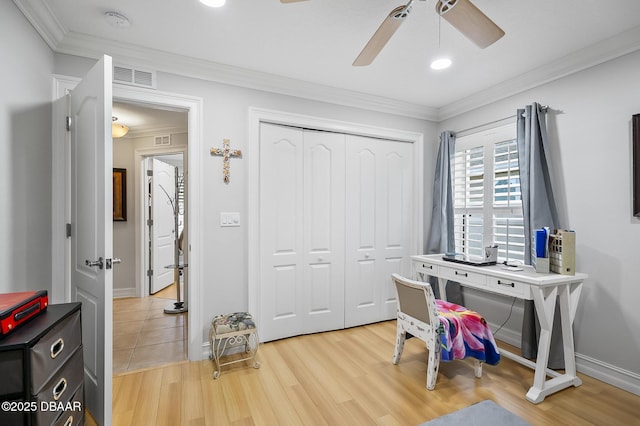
232, 330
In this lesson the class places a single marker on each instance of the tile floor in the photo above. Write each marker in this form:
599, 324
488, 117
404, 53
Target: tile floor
144, 336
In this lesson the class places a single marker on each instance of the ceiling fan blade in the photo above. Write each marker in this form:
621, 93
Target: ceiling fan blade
470, 21
382, 35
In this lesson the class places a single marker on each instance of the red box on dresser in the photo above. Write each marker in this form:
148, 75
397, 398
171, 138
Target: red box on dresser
18, 308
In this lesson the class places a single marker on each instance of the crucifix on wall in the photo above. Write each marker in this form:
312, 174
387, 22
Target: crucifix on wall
226, 153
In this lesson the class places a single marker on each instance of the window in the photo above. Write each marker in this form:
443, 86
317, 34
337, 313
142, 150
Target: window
488, 202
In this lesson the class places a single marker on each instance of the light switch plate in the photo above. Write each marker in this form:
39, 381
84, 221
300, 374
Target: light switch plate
229, 219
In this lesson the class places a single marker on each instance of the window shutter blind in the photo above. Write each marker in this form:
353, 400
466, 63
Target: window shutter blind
508, 225
469, 181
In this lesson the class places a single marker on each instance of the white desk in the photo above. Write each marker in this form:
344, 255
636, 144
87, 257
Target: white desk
543, 289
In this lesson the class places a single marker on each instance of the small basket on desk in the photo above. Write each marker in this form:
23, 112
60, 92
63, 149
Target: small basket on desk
230, 331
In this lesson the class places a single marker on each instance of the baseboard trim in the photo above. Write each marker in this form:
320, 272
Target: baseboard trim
119, 293
615, 376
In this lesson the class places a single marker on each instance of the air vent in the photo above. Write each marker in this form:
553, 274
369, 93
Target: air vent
134, 77
162, 140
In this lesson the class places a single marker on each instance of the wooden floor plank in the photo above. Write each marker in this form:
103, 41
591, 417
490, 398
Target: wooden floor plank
346, 377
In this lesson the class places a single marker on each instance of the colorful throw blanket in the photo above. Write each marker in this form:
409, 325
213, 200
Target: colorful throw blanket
465, 333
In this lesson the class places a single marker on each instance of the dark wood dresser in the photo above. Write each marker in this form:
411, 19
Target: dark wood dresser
42, 370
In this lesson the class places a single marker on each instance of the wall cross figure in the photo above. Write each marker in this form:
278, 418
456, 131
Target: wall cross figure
226, 152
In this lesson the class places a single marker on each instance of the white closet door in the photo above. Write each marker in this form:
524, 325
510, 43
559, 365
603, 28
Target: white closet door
378, 225
324, 170
301, 231
281, 232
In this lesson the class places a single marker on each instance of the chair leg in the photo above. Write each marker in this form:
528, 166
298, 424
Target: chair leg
477, 368
401, 336
433, 363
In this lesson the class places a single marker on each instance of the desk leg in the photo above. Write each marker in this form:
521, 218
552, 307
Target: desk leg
545, 302
569, 295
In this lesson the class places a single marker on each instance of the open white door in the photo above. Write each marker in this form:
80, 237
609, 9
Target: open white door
92, 231
163, 228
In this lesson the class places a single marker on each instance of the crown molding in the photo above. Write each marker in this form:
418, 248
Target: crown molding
145, 133
43, 20
63, 41
606, 50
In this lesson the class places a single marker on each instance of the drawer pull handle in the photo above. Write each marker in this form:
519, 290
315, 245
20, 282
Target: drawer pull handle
427, 266
506, 283
57, 347
69, 421
464, 274
59, 389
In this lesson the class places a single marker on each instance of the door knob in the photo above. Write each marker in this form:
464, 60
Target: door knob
99, 263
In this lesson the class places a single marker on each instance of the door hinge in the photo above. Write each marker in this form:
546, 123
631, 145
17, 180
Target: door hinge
68, 230
150, 273
67, 123
149, 172
150, 222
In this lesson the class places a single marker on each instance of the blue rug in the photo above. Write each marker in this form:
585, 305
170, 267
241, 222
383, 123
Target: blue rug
483, 413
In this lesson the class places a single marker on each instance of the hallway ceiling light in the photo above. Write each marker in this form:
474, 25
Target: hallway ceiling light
213, 3
118, 130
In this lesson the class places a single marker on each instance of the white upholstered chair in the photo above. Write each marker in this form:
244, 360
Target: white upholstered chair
418, 316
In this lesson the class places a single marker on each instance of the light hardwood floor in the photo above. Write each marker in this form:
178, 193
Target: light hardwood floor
346, 378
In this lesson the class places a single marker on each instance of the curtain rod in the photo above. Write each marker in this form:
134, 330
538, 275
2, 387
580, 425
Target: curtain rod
544, 108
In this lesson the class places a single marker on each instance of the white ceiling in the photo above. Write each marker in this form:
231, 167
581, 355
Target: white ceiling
307, 48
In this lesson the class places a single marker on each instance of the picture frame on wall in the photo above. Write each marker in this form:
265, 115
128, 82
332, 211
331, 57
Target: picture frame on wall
119, 194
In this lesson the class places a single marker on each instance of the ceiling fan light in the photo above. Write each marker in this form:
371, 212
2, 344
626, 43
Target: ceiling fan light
213, 3
440, 64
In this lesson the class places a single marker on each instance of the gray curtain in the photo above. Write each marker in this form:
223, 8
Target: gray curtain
441, 238
539, 210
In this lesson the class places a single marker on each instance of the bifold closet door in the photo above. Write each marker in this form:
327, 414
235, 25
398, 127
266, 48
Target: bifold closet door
301, 231
379, 203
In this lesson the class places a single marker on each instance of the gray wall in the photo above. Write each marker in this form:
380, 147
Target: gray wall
590, 134
25, 154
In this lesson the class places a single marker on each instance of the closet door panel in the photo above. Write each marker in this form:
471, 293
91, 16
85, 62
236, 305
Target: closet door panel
396, 198
281, 231
379, 190
362, 299
324, 230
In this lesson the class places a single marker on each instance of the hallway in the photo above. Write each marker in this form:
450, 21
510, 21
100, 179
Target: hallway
144, 336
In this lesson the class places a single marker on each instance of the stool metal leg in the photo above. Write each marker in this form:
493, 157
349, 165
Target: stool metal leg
220, 343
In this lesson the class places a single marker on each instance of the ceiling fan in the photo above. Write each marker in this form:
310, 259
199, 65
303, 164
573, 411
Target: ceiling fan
462, 14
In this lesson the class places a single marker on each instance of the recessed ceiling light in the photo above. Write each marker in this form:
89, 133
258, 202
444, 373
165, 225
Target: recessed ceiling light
116, 19
213, 3
440, 64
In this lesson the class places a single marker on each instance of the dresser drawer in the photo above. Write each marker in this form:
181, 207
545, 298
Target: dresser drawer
59, 392
462, 275
509, 287
53, 350
73, 416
